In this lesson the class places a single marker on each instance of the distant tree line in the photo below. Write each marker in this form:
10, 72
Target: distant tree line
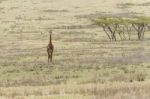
123, 27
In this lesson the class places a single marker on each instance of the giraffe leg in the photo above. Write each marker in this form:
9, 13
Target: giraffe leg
48, 56
51, 57
48, 59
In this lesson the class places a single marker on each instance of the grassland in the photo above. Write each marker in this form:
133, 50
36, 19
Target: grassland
86, 65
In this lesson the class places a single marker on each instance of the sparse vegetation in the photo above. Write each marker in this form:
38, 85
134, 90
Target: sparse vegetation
125, 5
129, 5
85, 65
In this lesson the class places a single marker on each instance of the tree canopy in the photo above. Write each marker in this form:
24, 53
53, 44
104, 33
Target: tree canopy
123, 26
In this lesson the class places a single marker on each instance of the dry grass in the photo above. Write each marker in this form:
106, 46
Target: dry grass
87, 91
83, 58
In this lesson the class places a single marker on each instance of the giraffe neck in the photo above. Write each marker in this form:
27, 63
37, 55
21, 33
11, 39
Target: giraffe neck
50, 39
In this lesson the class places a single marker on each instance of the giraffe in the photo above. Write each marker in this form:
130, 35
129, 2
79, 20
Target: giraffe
50, 48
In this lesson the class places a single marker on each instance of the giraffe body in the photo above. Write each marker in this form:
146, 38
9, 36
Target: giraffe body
50, 48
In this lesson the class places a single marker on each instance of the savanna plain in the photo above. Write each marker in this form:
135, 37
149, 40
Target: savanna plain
86, 64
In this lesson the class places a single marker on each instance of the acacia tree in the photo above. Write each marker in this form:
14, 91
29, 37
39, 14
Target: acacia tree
109, 25
140, 24
123, 26
127, 27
